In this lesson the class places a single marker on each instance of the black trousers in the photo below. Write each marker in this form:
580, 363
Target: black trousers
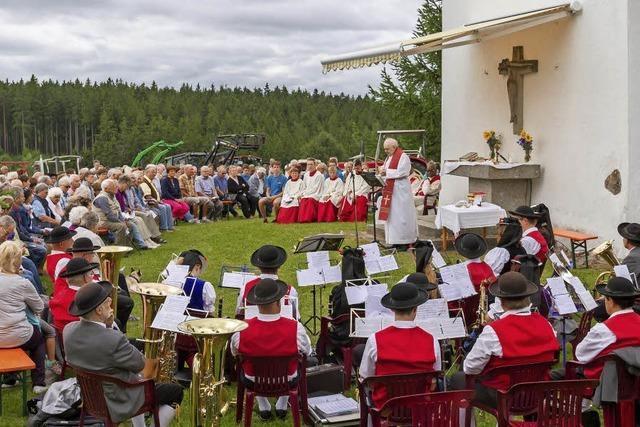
36, 348
169, 394
125, 307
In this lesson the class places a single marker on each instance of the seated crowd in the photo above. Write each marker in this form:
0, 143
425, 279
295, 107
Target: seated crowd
57, 229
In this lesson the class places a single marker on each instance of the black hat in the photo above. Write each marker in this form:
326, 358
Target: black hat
267, 291
512, 285
421, 281
618, 287
404, 296
630, 231
525, 212
83, 244
59, 234
78, 266
470, 245
89, 297
269, 256
193, 257
511, 235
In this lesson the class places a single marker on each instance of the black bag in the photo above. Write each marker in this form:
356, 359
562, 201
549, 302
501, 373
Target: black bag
352, 264
423, 251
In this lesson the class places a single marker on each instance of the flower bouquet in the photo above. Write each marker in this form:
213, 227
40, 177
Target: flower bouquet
494, 143
526, 142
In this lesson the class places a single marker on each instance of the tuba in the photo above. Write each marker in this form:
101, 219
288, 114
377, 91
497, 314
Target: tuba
209, 401
110, 257
158, 344
605, 251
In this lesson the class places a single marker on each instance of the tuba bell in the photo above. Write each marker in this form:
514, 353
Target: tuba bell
605, 251
208, 397
158, 345
110, 257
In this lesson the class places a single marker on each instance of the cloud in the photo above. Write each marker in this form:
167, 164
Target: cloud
221, 42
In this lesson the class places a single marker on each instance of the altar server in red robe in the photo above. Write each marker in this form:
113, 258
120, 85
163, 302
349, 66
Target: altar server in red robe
402, 347
269, 334
532, 240
313, 183
356, 192
331, 197
621, 329
291, 195
519, 336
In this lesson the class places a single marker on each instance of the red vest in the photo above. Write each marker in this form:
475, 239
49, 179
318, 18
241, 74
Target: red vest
523, 339
544, 248
626, 328
400, 351
250, 285
52, 262
59, 306
480, 271
277, 338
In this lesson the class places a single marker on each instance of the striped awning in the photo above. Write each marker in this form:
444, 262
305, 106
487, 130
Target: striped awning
470, 33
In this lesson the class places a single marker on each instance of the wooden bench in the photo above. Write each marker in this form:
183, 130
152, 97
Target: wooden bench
578, 240
16, 360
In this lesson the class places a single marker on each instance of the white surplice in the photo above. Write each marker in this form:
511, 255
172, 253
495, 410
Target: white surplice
313, 185
401, 227
292, 193
361, 187
332, 190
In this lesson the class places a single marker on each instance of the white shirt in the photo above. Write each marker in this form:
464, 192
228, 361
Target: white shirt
302, 339
598, 338
528, 243
496, 258
361, 187
370, 355
332, 191
293, 294
313, 185
292, 193
62, 263
488, 345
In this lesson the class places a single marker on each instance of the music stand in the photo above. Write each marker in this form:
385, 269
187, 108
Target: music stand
319, 242
374, 181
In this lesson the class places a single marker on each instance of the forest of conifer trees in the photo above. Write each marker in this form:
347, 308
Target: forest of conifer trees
113, 120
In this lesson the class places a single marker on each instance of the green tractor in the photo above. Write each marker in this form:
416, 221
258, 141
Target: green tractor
161, 145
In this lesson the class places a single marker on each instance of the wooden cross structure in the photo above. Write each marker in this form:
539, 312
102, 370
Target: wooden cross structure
515, 70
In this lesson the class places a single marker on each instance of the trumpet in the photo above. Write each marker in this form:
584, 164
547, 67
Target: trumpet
209, 400
158, 345
110, 257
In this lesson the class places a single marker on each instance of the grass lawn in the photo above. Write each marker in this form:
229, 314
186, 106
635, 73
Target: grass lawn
232, 243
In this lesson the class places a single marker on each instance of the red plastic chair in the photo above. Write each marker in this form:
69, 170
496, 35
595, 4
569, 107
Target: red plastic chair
396, 386
621, 414
271, 380
555, 403
427, 409
94, 403
347, 351
517, 373
583, 329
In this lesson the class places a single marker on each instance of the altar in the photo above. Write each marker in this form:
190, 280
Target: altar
507, 185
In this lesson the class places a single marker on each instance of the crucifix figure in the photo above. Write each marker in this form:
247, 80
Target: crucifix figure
516, 69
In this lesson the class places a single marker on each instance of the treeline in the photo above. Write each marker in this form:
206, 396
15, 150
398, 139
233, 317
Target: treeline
113, 120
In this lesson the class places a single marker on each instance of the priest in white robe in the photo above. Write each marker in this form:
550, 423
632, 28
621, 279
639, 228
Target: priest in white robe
397, 207
313, 183
291, 196
331, 197
356, 194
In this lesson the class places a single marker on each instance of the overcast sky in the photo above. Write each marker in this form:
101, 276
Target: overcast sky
241, 42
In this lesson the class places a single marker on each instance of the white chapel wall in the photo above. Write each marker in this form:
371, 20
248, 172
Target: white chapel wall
576, 106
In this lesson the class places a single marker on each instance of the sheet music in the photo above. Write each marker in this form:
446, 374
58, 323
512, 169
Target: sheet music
432, 326
377, 289
433, 308
251, 311
176, 303
332, 273
309, 277
381, 264
585, 296
236, 279
171, 313
554, 259
623, 271
436, 258
318, 259
364, 327
371, 251
453, 327
449, 292
175, 274
458, 275
356, 294
561, 298
373, 307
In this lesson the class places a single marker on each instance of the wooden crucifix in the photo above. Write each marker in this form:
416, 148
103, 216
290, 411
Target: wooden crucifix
516, 69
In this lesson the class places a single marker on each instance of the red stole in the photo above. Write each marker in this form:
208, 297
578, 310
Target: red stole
387, 191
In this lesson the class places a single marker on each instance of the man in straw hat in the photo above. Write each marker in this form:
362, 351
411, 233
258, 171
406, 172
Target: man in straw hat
630, 233
402, 347
268, 259
269, 334
92, 344
621, 329
519, 336
532, 239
